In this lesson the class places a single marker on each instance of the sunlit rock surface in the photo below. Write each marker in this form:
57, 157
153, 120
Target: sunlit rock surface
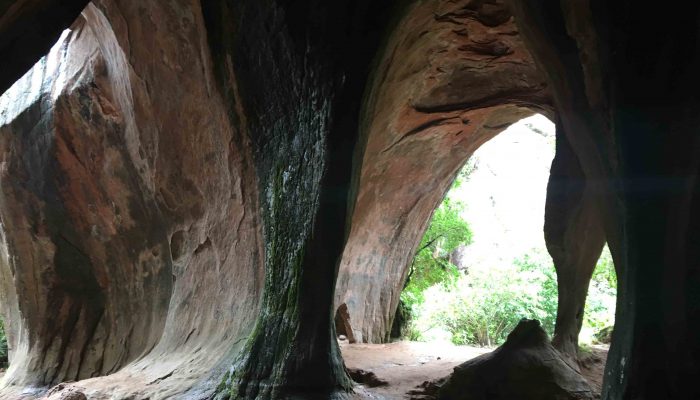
123, 188
28, 29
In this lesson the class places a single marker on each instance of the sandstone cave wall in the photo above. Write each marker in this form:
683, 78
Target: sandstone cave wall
452, 76
142, 191
626, 92
174, 175
28, 29
131, 237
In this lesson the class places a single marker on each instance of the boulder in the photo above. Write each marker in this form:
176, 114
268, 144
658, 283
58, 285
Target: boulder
525, 367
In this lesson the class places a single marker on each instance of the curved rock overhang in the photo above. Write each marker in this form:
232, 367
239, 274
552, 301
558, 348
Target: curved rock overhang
195, 145
128, 208
453, 75
179, 150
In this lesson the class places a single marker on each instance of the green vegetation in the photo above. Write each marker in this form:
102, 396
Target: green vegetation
599, 315
3, 346
482, 306
487, 304
431, 265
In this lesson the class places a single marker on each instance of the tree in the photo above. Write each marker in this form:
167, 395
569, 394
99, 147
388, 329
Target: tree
431, 265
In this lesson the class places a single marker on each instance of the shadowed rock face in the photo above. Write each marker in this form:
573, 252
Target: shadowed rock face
575, 237
632, 120
161, 159
453, 75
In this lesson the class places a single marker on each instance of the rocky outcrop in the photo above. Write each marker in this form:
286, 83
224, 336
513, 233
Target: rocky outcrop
525, 367
165, 156
301, 69
453, 75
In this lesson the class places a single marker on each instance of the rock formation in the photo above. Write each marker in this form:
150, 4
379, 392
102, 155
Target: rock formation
165, 168
117, 205
525, 367
631, 118
28, 29
453, 75
575, 238
179, 180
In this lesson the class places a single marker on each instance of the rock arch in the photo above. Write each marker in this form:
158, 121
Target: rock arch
456, 51
217, 145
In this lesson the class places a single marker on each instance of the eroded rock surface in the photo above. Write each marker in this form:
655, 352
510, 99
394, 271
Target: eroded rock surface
453, 75
145, 184
525, 367
162, 158
123, 188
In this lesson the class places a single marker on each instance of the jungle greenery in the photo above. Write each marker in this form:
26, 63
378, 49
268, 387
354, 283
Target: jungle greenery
481, 307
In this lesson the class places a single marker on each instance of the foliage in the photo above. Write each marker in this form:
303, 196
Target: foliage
489, 304
431, 265
600, 303
3, 346
485, 305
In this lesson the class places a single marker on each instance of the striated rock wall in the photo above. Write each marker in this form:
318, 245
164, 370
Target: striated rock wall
131, 233
452, 76
302, 68
163, 180
178, 179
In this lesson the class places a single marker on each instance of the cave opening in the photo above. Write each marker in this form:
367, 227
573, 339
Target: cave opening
482, 265
183, 240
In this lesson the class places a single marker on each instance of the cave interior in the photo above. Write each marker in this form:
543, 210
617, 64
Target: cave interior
194, 194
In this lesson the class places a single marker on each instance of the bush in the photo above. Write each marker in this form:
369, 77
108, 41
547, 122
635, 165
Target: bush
603, 336
481, 308
489, 304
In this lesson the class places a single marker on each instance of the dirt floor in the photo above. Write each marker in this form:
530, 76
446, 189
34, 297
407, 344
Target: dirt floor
593, 366
401, 367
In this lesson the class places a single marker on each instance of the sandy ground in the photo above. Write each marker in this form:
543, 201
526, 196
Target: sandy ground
405, 365
593, 366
